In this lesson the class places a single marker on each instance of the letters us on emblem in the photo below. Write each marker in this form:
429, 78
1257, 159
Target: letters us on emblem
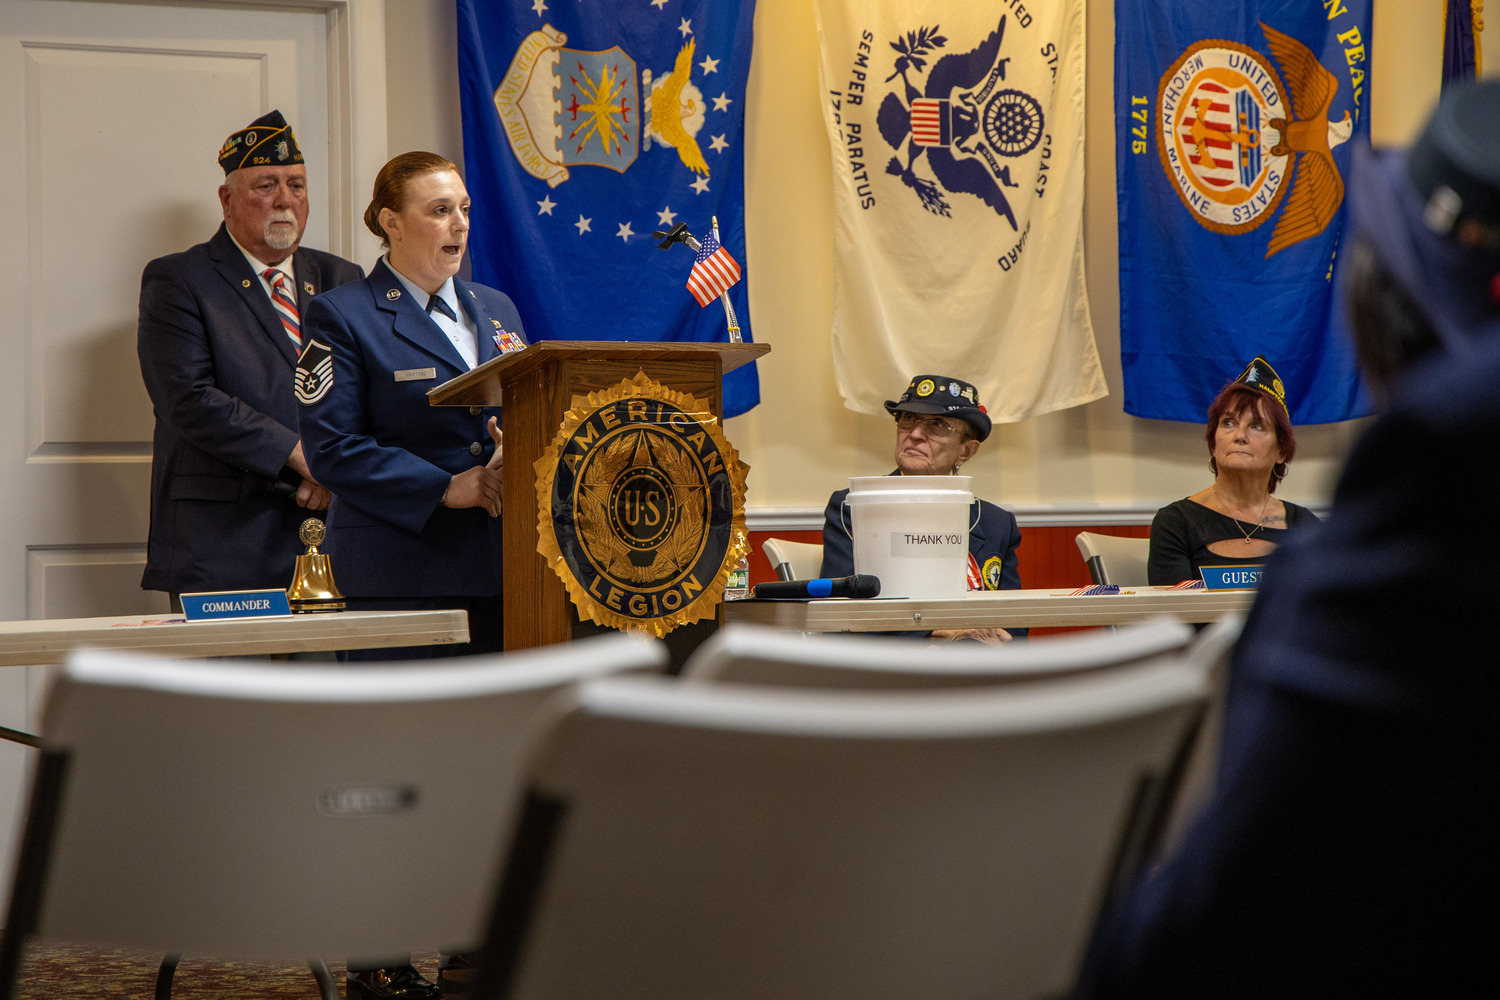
416, 374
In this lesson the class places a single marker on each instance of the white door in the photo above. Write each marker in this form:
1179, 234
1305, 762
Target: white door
111, 116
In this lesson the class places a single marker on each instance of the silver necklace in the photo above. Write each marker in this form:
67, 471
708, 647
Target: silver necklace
1259, 524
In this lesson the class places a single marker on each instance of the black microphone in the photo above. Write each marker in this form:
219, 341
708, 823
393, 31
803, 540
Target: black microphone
861, 585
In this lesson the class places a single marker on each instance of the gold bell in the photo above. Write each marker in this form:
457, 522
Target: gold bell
312, 586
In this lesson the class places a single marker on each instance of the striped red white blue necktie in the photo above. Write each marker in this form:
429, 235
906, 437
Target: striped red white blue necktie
286, 305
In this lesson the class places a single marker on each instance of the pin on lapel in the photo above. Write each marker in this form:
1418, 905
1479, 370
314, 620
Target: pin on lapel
307, 286
393, 294
245, 283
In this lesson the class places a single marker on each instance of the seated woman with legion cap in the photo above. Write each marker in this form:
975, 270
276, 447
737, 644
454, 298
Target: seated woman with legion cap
1237, 520
939, 426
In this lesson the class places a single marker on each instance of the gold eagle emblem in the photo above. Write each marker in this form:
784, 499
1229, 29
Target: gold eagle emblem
631, 499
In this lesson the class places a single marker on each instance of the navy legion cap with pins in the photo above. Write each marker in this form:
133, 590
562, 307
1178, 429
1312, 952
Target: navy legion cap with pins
266, 142
942, 394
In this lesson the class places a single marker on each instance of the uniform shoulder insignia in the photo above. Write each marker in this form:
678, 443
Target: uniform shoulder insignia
314, 375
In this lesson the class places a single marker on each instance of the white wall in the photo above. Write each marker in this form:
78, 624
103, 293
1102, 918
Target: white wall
1090, 464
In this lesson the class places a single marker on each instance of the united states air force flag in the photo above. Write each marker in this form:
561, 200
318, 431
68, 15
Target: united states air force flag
587, 125
957, 135
1233, 138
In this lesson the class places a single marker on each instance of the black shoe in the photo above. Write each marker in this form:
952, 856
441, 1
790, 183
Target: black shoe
399, 982
456, 974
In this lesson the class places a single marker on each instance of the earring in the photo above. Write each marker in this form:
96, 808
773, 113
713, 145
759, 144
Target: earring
1279, 470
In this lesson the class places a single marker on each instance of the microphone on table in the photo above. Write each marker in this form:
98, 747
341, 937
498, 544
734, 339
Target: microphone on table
860, 585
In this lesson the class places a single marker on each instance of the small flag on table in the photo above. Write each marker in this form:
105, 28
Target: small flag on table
1097, 590
714, 272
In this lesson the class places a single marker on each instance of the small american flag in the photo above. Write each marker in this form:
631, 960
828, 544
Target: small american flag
1097, 590
714, 271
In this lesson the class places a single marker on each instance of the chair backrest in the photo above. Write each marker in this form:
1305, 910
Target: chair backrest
261, 810
686, 841
748, 654
793, 560
1114, 558
1210, 652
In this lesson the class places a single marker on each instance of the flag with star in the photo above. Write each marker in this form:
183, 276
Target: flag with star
589, 124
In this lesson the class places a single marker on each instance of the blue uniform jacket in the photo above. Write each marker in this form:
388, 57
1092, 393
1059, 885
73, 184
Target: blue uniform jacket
1350, 848
218, 367
993, 537
387, 455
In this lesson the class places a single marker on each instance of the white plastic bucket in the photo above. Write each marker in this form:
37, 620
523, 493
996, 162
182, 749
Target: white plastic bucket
912, 532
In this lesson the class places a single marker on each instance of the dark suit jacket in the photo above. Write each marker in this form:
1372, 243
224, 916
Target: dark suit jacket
994, 535
1350, 849
388, 456
218, 367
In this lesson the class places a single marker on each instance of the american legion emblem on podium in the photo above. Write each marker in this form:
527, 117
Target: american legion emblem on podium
641, 506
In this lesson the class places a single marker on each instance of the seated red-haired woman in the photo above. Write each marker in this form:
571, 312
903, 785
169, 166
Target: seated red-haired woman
1237, 520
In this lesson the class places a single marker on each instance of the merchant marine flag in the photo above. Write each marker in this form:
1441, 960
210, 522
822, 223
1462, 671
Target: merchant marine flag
1234, 125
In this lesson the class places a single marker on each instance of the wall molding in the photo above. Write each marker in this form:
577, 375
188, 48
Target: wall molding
1027, 515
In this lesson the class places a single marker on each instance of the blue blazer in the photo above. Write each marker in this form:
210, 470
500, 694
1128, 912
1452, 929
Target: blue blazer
994, 535
218, 368
387, 455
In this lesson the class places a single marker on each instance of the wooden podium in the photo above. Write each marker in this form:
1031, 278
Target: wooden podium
536, 386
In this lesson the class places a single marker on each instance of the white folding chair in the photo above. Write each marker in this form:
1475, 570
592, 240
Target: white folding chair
1209, 652
749, 654
793, 560
687, 841
272, 812
1115, 559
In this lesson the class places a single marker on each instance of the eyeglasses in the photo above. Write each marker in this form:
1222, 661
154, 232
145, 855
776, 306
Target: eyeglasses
934, 427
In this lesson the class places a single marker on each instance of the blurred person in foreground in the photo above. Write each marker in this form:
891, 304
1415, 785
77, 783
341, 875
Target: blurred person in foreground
1349, 848
940, 425
1237, 520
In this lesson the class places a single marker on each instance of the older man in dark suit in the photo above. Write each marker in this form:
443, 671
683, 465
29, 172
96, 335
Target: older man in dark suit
218, 339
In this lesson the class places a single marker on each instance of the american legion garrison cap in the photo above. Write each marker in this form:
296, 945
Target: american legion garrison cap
1432, 212
1261, 375
266, 142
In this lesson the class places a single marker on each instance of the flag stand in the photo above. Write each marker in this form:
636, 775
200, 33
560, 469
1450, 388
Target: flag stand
679, 234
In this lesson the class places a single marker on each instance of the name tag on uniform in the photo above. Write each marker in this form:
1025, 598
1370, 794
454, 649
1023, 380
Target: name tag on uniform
416, 374
1231, 577
236, 604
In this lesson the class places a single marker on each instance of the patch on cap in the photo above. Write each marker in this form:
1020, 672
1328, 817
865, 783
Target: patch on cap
1261, 375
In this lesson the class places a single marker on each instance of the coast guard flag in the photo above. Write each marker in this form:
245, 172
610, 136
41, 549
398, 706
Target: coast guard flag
1233, 139
957, 139
587, 125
